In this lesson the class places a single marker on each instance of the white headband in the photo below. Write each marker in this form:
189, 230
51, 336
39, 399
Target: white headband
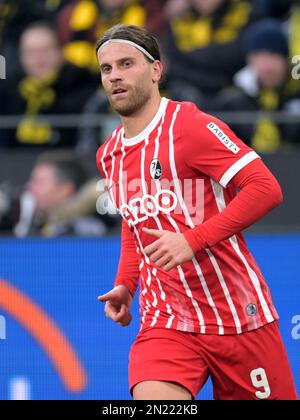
125, 41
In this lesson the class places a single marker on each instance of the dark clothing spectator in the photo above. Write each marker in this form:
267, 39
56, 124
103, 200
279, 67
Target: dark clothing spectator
64, 92
90, 137
278, 9
15, 16
77, 216
265, 85
265, 135
59, 199
204, 51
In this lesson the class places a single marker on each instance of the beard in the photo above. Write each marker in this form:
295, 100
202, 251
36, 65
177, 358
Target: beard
134, 101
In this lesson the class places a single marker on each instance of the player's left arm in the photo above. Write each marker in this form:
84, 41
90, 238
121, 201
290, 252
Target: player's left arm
229, 161
259, 194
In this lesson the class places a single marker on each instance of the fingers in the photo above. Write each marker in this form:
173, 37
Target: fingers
111, 311
124, 317
112, 295
170, 265
158, 243
156, 255
154, 232
165, 259
117, 306
159, 256
118, 314
106, 296
151, 248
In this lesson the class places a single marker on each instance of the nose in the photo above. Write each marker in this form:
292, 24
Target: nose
115, 75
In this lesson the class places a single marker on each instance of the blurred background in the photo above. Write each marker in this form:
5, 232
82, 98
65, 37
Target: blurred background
236, 59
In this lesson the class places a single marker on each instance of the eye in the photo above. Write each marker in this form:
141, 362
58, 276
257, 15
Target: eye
105, 69
127, 63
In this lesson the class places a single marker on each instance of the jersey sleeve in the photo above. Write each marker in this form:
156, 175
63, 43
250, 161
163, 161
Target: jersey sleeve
211, 147
259, 194
128, 269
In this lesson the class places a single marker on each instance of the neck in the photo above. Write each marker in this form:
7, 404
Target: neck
135, 124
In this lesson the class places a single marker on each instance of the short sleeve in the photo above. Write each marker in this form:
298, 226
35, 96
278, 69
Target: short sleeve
211, 147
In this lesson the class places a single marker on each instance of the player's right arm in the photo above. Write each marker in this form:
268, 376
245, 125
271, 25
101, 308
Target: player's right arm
119, 299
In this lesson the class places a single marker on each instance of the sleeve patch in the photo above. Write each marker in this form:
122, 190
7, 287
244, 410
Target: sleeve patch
216, 130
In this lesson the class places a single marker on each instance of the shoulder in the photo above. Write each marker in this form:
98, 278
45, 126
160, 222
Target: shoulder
183, 111
199, 129
109, 144
193, 119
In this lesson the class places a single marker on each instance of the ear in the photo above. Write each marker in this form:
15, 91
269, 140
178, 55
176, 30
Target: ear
157, 71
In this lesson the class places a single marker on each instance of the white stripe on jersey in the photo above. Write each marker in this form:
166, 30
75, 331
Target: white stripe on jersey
147, 309
121, 190
104, 153
158, 188
144, 291
181, 274
219, 195
237, 166
162, 293
226, 292
154, 303
191, 224
110, 192
158, 223
186, 286
122, 198
172, 316
113, 167
154, 319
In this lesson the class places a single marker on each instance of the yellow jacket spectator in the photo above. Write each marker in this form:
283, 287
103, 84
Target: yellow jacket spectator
82, 22
48, 86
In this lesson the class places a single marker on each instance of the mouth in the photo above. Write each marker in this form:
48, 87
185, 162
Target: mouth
118, 92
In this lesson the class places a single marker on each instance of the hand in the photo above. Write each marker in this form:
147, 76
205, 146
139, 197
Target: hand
170, 250
118, 302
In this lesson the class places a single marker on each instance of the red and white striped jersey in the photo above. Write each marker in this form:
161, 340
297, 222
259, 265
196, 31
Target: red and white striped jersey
175, 175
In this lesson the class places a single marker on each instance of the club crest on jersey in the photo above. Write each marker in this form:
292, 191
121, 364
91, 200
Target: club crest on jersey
251, 309
155, 169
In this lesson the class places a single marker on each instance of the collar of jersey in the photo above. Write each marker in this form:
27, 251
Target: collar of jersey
147, 131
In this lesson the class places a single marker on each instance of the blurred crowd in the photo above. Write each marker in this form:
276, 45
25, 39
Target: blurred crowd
227, 56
